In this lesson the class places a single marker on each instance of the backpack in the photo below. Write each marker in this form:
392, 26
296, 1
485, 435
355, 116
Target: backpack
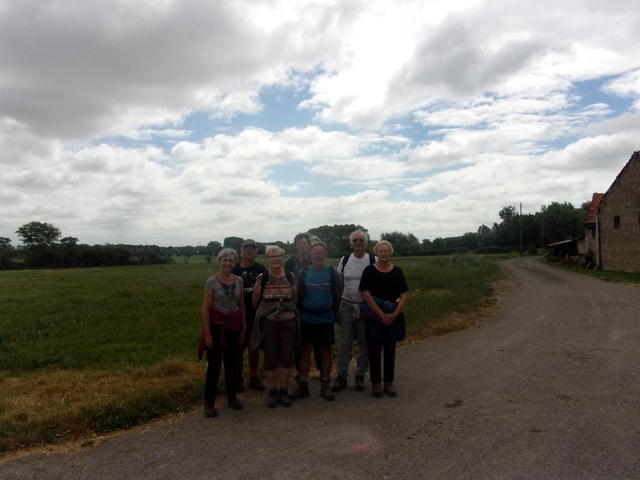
333, 278
345, 259
265, 278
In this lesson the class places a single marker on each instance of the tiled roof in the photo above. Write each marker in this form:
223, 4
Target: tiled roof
596, 200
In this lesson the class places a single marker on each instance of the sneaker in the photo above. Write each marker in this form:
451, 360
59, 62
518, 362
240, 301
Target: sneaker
302, 391
285, 399
256, 384
325, 391
360, 383
389, 390
272, 398
376, 390
340, 383
210, 410
234, 403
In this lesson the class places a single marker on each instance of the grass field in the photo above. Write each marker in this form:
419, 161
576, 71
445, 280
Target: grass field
606, 275
86, 351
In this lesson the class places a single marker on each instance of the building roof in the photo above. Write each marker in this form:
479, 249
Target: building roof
634, 158
596, 200
563, 242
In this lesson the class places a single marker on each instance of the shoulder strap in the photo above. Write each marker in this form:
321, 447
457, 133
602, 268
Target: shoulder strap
345, 259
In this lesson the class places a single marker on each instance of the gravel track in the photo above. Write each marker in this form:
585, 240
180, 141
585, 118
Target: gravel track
546, 388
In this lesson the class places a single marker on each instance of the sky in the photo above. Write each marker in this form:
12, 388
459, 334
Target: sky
178, 122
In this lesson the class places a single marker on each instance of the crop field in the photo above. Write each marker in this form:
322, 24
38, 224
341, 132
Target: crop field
87, 351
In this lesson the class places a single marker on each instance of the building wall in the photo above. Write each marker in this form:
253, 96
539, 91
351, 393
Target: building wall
620, 239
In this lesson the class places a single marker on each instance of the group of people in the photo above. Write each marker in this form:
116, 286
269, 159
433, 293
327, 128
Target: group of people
289, 311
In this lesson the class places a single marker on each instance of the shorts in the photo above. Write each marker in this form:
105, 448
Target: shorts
317, 333
279, 339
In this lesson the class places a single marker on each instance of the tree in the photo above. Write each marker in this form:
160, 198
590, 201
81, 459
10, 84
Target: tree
69, 241
402, 242
232, 242
36, 234
6, 252
335, 236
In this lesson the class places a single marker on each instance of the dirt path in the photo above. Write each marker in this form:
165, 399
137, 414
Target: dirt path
548, 388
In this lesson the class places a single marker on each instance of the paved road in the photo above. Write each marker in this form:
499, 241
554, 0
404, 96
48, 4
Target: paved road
547, 388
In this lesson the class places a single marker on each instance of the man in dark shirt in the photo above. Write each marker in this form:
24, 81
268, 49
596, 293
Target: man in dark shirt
300, 260
248, 269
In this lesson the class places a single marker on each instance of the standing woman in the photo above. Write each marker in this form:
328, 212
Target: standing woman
384, 291
276, 325
223, 325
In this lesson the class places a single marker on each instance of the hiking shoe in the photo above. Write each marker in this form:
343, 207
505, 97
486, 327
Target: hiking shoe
340, 383
256, 384
376, 390
389, 390
285, 399
325, 391
302, 391
272, 398
360, 383
210, 410
234, 403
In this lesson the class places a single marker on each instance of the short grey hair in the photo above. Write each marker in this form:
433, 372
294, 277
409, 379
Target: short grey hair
274, 248
359, 231
382, 243
228, 252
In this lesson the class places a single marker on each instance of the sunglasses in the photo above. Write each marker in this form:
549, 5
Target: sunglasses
357, 240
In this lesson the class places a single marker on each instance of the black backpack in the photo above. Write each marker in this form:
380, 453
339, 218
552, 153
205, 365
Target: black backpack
345, 259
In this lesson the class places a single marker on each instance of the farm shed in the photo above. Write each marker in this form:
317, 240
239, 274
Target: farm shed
564, 248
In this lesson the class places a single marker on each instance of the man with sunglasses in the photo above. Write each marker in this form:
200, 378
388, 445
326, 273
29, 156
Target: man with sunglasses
351, 320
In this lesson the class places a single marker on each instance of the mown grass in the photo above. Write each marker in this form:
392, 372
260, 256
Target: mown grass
605, 275
86, 351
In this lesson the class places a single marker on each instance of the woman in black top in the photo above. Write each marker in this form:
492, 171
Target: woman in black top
384, 291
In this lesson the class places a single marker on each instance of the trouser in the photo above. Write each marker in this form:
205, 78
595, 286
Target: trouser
317, 357
215, 356
352, 326
375, 354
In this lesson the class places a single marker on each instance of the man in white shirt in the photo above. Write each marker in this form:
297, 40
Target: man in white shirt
351, 320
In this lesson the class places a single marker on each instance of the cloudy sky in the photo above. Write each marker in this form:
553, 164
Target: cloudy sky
178, 122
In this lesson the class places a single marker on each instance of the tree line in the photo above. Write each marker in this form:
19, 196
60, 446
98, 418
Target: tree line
44, 247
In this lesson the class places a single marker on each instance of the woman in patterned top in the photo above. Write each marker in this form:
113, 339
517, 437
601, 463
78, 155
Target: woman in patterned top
223, 325
275, 329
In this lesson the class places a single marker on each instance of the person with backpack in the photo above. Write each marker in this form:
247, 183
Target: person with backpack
319, 291
351, 320
248, 269
295, 264
275, 328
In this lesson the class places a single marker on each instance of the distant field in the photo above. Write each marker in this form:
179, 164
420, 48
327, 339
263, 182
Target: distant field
86, 351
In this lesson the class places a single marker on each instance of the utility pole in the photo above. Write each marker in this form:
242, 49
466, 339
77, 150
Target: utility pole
520, 228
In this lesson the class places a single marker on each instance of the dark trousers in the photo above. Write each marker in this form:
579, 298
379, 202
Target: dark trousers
375, 354
215, 357
317, 357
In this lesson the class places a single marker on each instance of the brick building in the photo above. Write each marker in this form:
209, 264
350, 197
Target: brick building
617, 223
591, 248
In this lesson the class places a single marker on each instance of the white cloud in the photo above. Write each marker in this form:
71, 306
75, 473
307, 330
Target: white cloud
461, 106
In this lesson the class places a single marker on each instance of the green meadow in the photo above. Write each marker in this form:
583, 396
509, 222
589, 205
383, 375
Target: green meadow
87, 351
